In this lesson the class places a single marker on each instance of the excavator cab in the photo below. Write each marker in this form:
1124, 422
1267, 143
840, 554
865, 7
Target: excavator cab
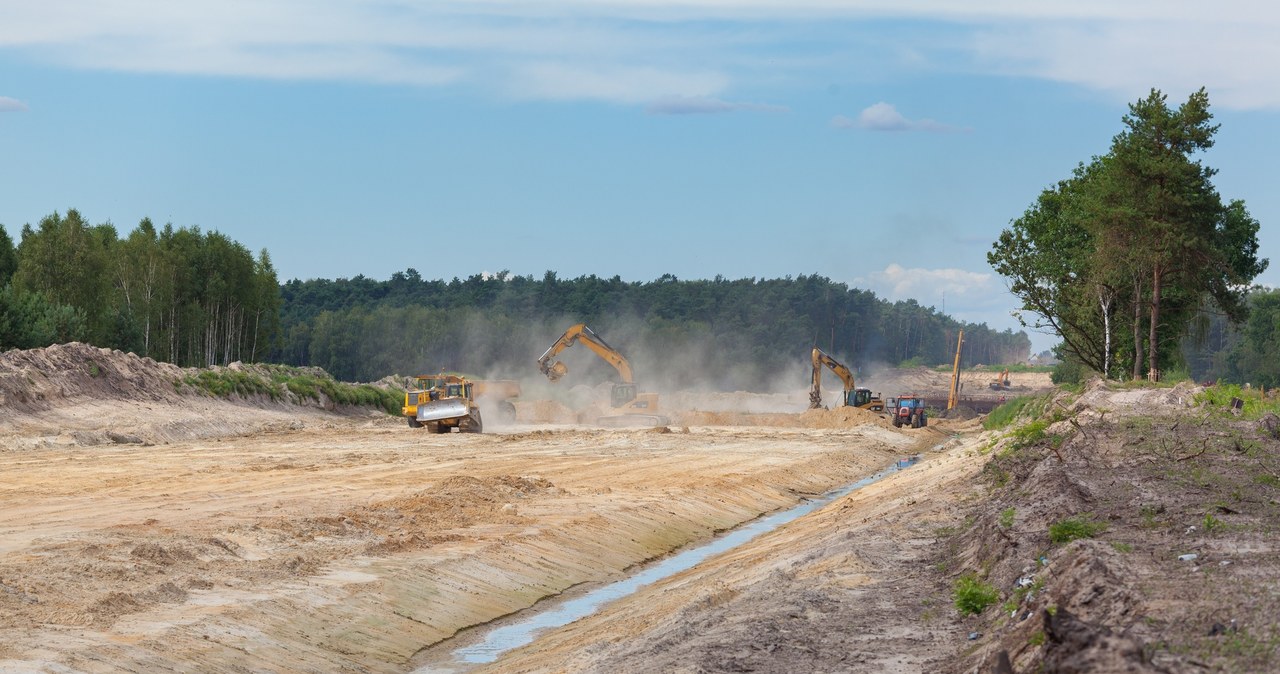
622, 394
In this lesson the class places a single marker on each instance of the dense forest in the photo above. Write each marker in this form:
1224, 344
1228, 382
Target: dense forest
722, 333
179, 295
198, 298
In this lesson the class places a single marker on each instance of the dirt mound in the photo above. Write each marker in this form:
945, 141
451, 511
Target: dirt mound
40, 379
1123, 527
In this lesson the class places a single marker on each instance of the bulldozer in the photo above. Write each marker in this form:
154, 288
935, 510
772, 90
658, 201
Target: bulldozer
633, 407
853, 396
441, 403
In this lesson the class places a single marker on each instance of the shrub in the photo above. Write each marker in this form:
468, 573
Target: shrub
973, 596
1075, 527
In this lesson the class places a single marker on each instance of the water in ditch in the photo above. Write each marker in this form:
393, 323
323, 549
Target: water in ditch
517, 634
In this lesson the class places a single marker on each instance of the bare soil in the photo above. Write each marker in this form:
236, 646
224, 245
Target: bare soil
149, 528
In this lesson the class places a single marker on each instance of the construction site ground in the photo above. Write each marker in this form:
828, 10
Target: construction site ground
146, 529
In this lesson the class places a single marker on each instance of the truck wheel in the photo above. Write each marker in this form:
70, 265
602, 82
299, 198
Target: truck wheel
506, 412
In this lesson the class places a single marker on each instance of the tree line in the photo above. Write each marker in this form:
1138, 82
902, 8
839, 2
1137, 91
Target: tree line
175, 294
1126, 256
724, 333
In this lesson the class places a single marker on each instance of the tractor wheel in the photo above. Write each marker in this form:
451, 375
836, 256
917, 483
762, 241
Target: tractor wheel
915, 421
897, 422
924, 420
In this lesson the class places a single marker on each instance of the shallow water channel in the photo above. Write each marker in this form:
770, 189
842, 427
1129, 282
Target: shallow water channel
513, 635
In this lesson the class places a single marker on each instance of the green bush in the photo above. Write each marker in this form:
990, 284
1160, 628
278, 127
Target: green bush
972, 596
1075, 527
273, 380
1004, 415
1068, 372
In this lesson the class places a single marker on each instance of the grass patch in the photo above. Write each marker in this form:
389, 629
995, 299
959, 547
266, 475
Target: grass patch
972, 596
273, 381
1218, 398
1072, 528
1006, 517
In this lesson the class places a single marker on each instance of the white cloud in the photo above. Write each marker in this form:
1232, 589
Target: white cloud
12, 105
884, 117
929, 286
639, 51
969, 296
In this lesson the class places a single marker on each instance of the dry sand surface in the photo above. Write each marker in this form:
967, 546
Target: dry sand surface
146, 529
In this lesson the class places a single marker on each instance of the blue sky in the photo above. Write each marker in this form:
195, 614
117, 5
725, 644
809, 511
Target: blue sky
882, 143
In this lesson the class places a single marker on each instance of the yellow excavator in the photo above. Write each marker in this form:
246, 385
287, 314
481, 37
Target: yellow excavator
634, 408
861, 398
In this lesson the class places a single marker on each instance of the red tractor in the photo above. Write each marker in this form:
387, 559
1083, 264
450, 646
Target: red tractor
910, 411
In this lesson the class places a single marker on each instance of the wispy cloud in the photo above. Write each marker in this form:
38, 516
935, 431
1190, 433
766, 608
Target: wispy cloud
12, 105
703, 105
656, 49
897, 282
884, 117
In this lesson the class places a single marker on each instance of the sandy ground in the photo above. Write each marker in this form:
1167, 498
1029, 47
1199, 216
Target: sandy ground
348, 545
149, 529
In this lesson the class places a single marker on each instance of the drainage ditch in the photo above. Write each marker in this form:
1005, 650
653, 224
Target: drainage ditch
512, 635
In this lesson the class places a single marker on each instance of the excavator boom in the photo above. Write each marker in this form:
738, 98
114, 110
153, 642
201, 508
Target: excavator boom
634, 408
853, 395
580, 333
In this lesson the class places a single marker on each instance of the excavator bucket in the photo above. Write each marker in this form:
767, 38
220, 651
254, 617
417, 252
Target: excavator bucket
436, 410
557, 370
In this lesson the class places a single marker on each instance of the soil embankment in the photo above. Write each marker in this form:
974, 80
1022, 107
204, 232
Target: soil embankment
338, 542
149, 527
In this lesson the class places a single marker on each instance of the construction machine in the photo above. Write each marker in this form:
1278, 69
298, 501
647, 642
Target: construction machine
954, 397
1001, 382
910, 411
854, 396
633, 408
442, 403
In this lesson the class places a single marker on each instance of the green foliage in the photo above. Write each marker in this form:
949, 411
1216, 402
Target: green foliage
1255, 405
28, 320
176, 295
1069, 371
1028, 434
972, 596
1005, 414
1135, 238
1006, 517
273, 381
1037, 638
1072, 528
